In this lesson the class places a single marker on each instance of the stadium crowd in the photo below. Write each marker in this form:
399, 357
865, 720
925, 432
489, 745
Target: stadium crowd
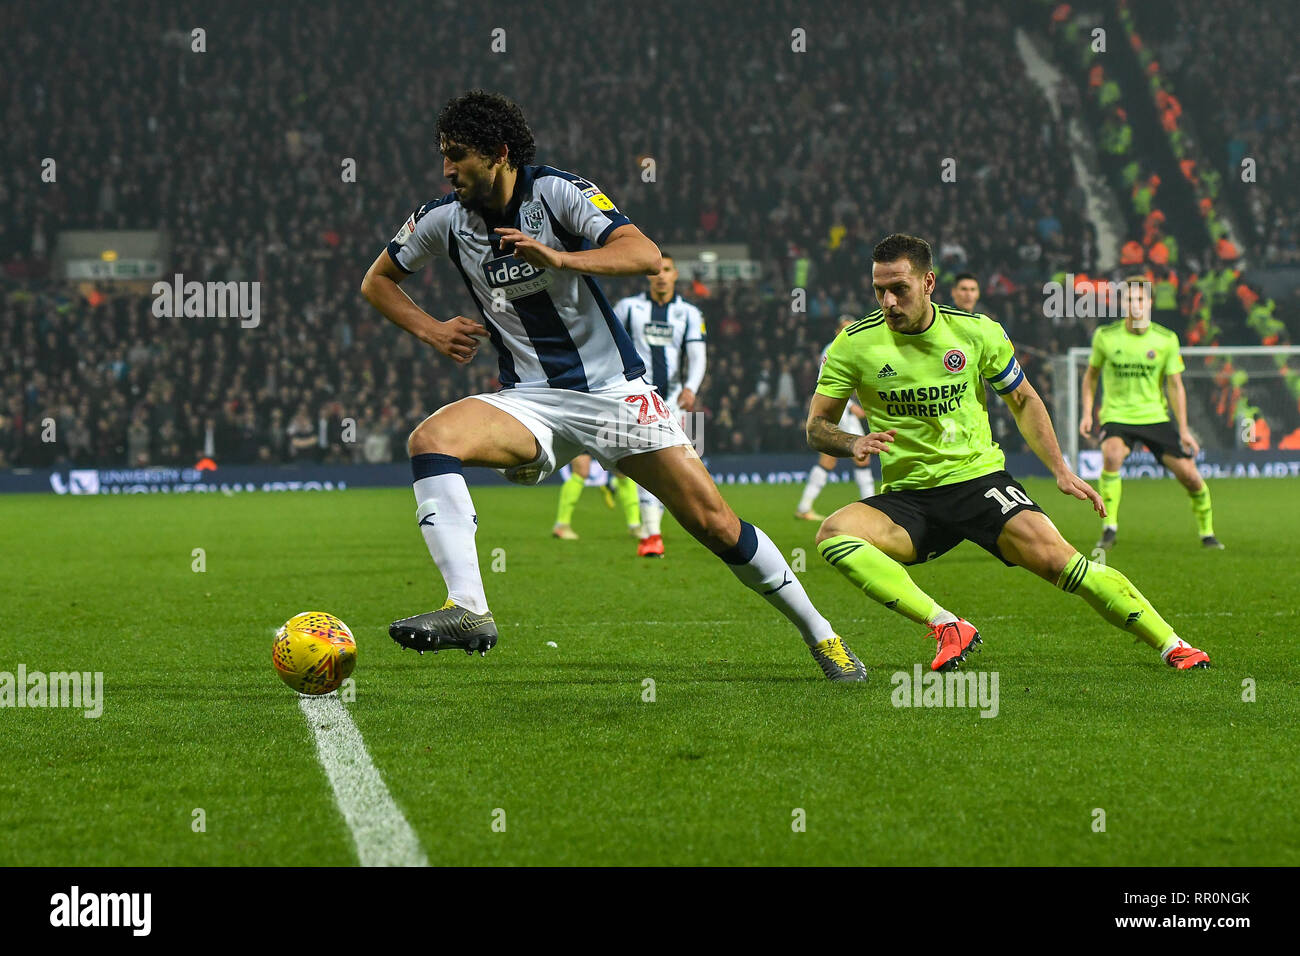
1245, 114
701, 134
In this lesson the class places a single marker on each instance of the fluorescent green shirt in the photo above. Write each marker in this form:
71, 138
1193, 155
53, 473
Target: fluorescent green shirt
1133, 369
929, 386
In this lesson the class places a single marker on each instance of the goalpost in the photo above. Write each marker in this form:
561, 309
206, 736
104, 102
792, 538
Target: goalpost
1236, 396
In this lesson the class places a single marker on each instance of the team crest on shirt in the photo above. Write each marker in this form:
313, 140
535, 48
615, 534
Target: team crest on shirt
1151, 353
531, 215
955, 360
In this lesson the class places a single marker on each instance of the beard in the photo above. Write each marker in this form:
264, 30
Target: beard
475, 198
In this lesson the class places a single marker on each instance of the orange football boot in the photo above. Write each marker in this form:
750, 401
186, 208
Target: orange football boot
955, 638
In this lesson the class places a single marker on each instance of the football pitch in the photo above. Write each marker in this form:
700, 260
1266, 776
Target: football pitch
639, 711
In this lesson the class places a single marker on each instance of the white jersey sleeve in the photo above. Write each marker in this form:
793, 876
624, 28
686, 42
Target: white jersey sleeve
422, 236
581, 208
695, 325
696, 351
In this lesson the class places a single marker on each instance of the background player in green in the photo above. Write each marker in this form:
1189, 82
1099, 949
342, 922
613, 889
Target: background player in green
919, 370
1133, 358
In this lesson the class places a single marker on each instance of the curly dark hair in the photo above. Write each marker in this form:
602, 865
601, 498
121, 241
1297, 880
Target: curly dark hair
902, 246
482, 121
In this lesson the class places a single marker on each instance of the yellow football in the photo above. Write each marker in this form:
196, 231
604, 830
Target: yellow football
314, 652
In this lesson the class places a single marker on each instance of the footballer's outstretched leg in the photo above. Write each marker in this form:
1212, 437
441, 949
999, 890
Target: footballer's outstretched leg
878, 573
678, 478
473, 432
570, 492
628, 495
449, 626
652, 512
1111, 488
1032, 541
1184, 469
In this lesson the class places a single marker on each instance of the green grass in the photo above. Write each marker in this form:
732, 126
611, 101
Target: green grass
743, 729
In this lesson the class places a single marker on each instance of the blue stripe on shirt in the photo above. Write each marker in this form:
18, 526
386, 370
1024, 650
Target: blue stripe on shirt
550, 338
633, 366
658, 353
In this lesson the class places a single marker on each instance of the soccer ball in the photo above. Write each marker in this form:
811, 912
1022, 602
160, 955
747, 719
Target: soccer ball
314, 652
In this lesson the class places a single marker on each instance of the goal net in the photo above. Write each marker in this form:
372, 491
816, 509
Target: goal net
1243, 399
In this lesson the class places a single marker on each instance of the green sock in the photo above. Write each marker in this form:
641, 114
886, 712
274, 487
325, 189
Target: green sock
625, 491
1203, 510
1109, 488
881, 577
1115, 598
570, 492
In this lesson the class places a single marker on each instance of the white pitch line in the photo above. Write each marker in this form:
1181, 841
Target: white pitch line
866, 620
382, 835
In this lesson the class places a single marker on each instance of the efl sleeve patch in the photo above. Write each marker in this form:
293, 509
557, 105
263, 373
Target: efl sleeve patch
405, 232
598, 199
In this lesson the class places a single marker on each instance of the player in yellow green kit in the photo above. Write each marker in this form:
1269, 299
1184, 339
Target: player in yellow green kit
919, 370
618, 487
1134, 359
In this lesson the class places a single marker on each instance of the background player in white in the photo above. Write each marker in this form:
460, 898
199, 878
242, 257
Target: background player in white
850, 422
527, 240
669, 335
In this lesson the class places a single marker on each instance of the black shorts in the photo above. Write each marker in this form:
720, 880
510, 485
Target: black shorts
1161, 438
939, 519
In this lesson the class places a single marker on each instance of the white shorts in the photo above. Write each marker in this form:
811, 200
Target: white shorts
596, 474
851, 423
610, 424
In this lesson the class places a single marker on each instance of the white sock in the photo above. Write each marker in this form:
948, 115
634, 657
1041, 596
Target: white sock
762, 568
866, 483
817, 476
1172, 644
652, 512
447, 520
940, 616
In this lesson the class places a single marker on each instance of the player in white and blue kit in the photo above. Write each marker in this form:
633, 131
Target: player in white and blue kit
851, 422
527, 241
668, 333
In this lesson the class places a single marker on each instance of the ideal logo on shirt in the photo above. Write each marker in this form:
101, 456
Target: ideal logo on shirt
515, 277
659, 333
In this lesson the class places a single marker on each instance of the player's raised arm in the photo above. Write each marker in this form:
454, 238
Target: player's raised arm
835, 384
1090, 376
697, 360
826, 436
1177, 395
455, 338
580, 209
